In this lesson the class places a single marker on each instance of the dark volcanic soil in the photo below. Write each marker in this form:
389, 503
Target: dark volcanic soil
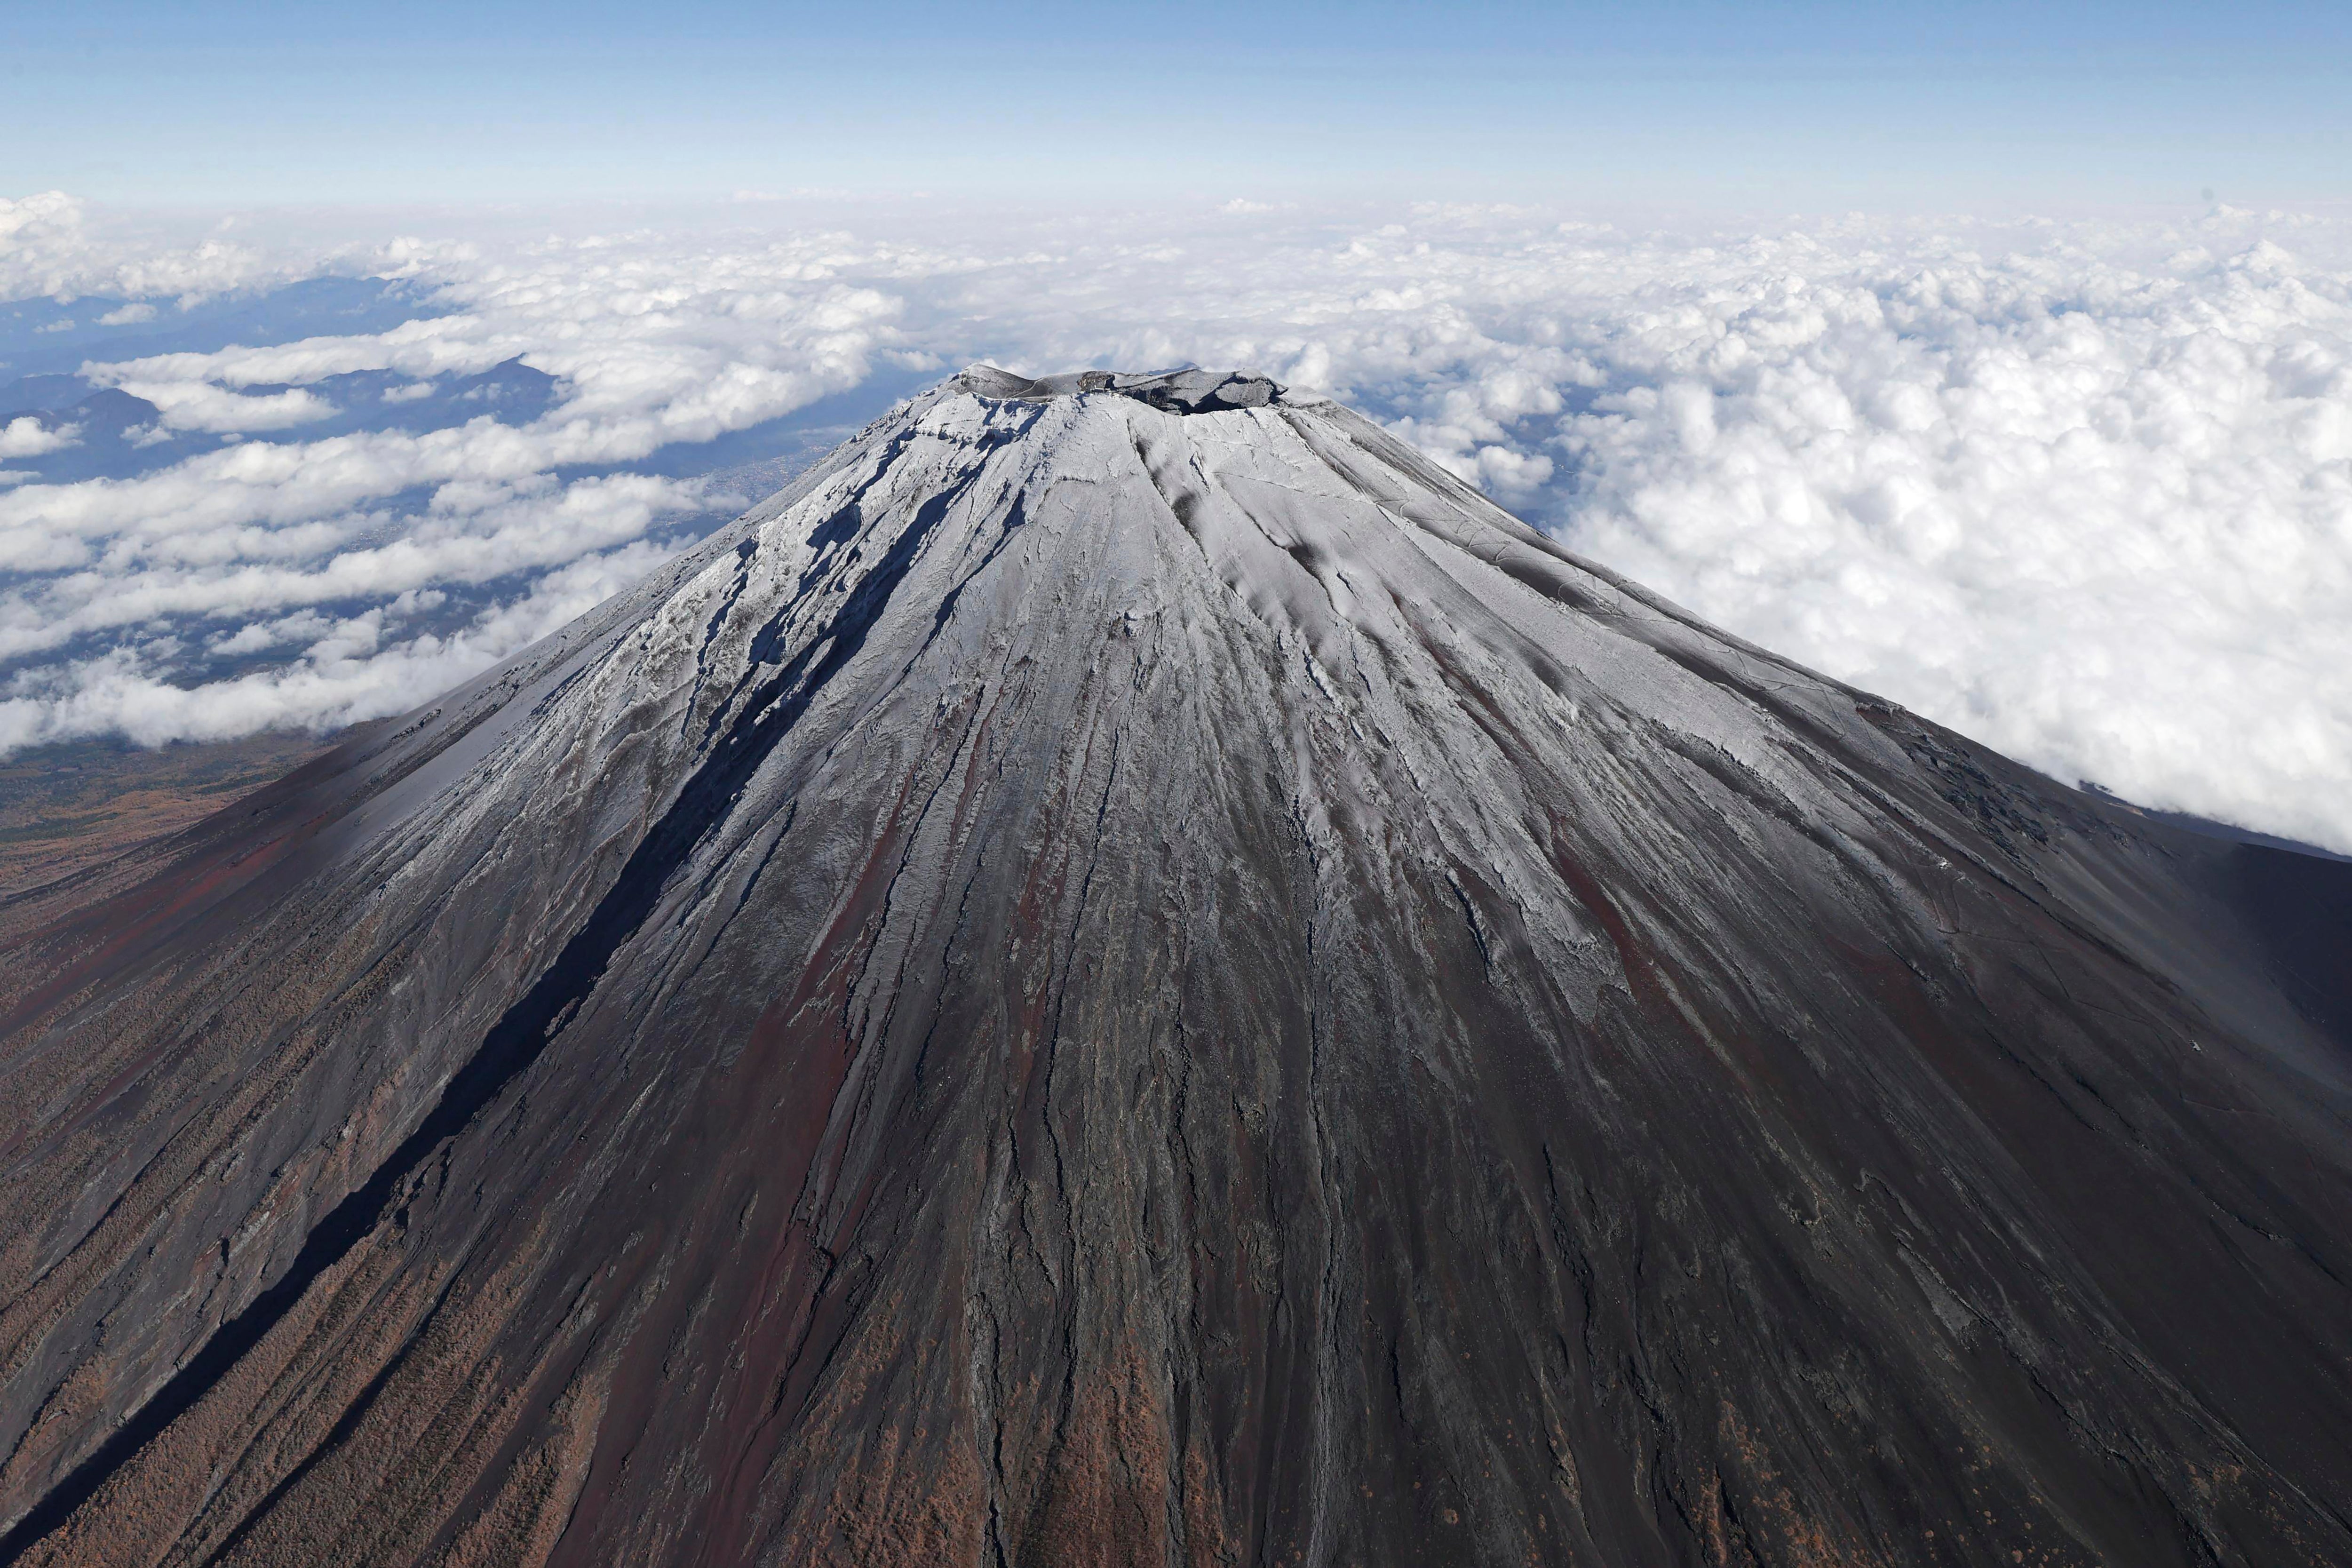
1130, 973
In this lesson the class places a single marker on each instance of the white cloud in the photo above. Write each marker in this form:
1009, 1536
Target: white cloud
201, 406
129, 315
26, 436
2098, 517
2083, 490
49, 246
490, 531
345, 675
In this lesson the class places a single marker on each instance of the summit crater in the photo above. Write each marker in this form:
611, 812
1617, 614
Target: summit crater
1185, 391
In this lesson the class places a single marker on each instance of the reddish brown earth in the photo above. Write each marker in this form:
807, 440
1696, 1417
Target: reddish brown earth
1129, 974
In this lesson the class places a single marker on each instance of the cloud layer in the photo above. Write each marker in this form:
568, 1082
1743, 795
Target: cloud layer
2083, 490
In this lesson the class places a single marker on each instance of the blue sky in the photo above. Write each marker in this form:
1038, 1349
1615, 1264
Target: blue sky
1725, 106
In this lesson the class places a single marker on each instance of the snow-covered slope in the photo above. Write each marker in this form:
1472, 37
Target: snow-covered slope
1130, 972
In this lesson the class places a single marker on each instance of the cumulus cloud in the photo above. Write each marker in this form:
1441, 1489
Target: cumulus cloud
27, 437
48, 246
2106, 526
2083, 490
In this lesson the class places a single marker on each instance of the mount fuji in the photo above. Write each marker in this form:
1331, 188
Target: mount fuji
1130, 972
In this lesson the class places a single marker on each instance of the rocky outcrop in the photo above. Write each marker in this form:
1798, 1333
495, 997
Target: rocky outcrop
1130, 972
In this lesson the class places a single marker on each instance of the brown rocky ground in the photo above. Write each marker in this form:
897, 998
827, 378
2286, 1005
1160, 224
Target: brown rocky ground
79, 820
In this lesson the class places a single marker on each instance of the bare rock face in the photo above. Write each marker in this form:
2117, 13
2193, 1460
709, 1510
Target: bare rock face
1130, 974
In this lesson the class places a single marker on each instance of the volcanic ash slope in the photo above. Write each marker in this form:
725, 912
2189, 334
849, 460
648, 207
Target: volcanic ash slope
1130, 974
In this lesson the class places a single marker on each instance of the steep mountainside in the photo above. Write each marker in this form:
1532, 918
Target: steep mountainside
1128, 973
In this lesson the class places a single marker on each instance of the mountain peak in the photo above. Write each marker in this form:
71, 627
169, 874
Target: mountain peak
1129, 972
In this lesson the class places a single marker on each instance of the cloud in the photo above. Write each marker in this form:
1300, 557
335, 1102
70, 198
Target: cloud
2098, 517
349, 673
27, 437
492, 531
48, 246
201, 406
2080, 489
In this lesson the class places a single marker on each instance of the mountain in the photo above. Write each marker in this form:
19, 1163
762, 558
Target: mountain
1128, 973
